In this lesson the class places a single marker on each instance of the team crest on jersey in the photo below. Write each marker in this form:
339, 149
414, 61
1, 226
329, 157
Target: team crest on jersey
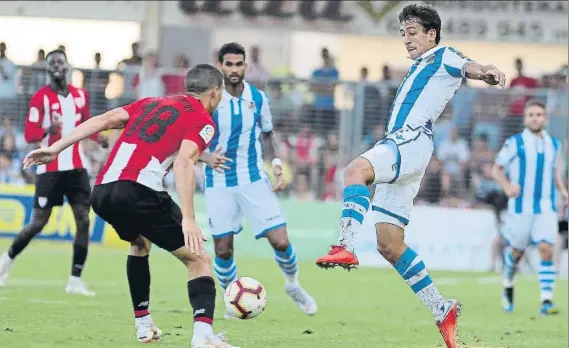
252, 106
207, 133
42, 201
430, 59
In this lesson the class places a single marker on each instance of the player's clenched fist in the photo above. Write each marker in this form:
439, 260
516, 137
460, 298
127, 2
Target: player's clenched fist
280, 183
513, 190
493, 76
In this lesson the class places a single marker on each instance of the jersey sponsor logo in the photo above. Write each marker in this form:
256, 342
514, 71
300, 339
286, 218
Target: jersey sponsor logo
430, 59
34, 115
458, 53
55, 106
207, 133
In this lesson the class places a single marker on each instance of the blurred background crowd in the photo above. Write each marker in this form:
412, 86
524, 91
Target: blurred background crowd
467, 135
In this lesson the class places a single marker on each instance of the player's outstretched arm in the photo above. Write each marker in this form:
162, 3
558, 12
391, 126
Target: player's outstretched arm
113, 119
185, 177
487, 73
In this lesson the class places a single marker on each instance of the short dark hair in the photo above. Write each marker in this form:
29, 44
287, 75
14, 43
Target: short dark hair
428, 16
230, 48
535, 102
202, 78
58, 51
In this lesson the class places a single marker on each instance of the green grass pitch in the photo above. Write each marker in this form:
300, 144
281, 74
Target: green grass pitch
366, 308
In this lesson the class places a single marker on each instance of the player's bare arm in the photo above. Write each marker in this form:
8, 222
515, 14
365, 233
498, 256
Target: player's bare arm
270, 138
511, 189
113, 119
487, 73
560, 184
185, 177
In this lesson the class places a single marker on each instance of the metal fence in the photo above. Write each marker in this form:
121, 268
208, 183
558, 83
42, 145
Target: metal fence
321, 128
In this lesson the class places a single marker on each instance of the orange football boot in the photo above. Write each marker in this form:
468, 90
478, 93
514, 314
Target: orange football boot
338, 256
448, 326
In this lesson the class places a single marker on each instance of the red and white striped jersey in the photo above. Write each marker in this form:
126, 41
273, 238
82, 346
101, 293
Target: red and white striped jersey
47, 107
146, 149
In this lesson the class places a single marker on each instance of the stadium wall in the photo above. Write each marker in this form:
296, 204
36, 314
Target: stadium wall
447, 239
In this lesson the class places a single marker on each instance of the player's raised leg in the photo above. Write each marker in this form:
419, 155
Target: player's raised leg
391, 245
377, 165
80, 250
138, 275
40, 217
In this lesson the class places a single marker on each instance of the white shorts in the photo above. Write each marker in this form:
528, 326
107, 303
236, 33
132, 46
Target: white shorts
524, 230
227, 206
399, 162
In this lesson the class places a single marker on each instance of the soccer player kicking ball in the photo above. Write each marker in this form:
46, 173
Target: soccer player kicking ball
398, 162
129, 194
55, 110
236, 184
533, 162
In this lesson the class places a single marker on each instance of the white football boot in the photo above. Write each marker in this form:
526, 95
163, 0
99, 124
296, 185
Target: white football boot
211, 341
78, 287
304, 301
5, 265
146, 331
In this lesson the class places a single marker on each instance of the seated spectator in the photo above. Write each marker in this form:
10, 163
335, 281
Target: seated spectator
175, 79
282, 107
454, 155
10, 171
481, 155
434, 185
257, 74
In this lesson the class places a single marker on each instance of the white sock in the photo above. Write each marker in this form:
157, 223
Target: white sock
202, 329
288, 264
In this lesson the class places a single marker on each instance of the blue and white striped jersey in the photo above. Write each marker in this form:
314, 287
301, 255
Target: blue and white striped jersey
430, 84
530, 162
239, 122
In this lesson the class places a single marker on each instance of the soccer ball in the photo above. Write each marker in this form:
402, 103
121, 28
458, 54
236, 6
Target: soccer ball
245, 298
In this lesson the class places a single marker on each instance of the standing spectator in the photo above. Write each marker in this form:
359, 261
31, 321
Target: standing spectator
295, 95
175, 80
306, 147
331, 160
371, 101
454, 155
257, 74
148, 82
39, 77
324, 80
435, 185
521, 79
129, 67
9, 173
95, 83
7, 75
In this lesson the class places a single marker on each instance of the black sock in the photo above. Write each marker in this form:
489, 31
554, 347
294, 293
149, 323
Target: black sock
510, 294
202, 298
23, 239
79, 257
138, 274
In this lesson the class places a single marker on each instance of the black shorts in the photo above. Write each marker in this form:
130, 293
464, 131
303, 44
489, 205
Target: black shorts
134, 209
52, 186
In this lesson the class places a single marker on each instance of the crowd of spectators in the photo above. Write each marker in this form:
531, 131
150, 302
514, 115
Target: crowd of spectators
306, 117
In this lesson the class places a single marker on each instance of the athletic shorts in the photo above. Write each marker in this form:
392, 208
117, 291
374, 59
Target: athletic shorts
399, 162
227, 206
51, 187
136, 210
524, 230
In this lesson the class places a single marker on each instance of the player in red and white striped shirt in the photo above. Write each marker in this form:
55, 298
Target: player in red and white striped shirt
159, 134
55, 110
